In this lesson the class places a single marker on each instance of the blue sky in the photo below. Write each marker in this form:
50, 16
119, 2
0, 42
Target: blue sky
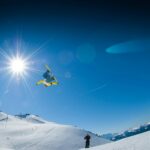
99, 90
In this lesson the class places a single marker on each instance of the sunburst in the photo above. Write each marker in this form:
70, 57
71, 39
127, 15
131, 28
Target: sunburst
18, 65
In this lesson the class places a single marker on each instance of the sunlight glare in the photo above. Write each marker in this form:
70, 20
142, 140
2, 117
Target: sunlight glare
17, 66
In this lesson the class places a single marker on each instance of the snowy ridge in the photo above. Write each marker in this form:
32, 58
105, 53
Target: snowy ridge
31, 118
138, 142
30, 132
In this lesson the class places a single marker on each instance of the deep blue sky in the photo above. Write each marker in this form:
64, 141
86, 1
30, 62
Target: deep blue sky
99, 90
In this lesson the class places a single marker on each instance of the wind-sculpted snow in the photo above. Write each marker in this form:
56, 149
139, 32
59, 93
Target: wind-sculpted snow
33, 133
137, 142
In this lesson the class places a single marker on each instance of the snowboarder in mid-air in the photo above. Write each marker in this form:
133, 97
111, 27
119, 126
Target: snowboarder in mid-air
49, 78
87, 141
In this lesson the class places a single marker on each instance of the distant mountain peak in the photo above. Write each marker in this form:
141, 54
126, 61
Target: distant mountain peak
127, 133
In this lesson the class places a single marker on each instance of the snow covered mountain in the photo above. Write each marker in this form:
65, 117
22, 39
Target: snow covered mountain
128, 133
30, 132
137, 142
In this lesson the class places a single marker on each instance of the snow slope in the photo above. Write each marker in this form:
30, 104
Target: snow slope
29, 132
137, 142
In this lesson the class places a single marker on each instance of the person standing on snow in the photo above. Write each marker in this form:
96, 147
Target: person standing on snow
87, 141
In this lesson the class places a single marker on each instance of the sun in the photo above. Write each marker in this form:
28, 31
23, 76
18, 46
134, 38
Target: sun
17, 65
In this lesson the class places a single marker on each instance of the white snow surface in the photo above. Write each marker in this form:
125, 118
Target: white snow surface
34, 133
137, 142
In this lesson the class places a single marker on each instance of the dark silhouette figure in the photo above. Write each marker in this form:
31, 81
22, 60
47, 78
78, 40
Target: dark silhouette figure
87, 142
48, 76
